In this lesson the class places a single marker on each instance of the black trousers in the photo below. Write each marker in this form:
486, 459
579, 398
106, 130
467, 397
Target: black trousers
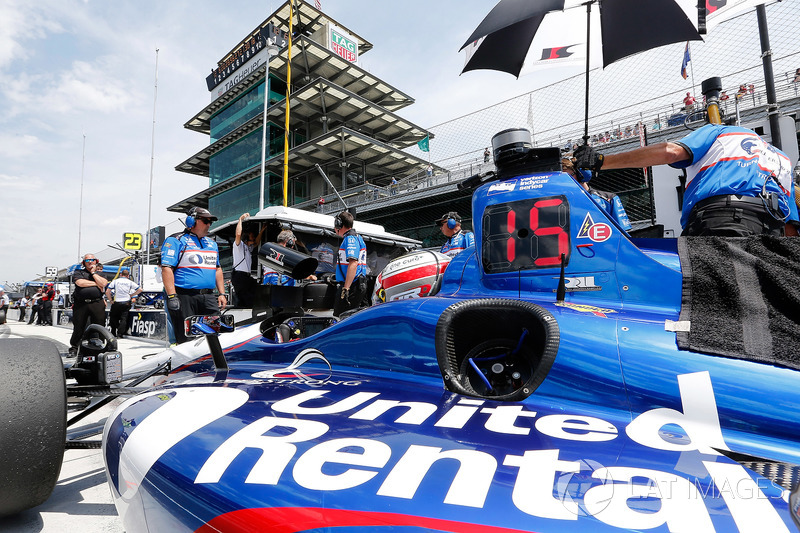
245, 288
84, 314
726, 218
191, 304
34, 313
46, 313
357, 291
118, 318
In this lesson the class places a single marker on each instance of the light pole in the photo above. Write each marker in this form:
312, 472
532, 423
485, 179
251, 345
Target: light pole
152, 159
80, 209
272, 51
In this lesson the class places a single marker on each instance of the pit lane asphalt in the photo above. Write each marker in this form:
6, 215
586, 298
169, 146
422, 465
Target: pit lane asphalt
82, 499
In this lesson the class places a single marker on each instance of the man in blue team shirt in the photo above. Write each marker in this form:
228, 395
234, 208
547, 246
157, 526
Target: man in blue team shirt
737, 185
190, 271
457, 239
351, 267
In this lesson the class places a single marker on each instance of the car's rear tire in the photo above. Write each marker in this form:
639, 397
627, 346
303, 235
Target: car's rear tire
33, 417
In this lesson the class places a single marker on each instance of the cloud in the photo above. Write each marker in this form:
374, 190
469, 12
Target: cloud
20, 24
18, 145
13, 184
118, 222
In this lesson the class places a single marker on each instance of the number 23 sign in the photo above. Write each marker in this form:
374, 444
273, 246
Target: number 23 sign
132, 241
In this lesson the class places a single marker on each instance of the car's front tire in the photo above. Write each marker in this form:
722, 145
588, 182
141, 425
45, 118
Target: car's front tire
33, 418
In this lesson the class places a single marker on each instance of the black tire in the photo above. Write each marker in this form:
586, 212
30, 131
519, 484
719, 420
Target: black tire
33, 411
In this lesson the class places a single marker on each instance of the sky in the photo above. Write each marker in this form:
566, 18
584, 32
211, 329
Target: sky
77, 86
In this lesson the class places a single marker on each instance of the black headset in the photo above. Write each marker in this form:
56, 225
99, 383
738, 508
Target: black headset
338, 223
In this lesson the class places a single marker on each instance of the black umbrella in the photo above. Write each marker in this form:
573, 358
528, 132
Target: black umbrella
627, 27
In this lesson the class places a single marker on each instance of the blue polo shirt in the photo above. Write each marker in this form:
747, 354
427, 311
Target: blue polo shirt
194, 260
733, 160
458, 243
352, 247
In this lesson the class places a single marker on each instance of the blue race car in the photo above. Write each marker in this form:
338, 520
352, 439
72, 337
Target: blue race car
564, 377
541, 389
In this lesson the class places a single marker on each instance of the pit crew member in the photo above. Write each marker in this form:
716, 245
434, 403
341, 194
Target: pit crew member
190, 271
738, 184
88, 306
351, 267
457, 239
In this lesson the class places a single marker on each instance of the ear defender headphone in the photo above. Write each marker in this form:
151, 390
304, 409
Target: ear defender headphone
452, 222
337, 223
190, 219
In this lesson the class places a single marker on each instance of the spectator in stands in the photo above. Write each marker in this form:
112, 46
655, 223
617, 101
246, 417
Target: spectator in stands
320, 204
741, 92
393, 186
486, 155
796, 76
688, 102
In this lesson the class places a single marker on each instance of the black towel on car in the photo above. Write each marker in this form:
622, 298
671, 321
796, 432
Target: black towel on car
742, 297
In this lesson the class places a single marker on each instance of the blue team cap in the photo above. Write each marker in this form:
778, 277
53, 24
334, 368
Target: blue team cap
586, 175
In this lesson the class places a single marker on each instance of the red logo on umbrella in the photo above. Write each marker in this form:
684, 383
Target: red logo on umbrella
560, 52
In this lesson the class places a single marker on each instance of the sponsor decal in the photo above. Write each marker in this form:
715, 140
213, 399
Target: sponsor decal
503, 186
559, 52
533, 182
276, 257
596, 311
309, 354
297, 442
596, 231
580, 284
416, 292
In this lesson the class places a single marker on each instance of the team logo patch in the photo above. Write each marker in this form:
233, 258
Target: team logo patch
751, 146
195, 259
596, 231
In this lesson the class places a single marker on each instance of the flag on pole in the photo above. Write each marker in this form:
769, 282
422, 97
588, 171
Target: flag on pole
686, 58
318, 4
424, 144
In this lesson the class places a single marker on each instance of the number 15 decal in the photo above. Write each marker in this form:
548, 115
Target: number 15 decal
527, 234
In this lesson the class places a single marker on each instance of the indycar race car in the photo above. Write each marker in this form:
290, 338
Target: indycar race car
561, 376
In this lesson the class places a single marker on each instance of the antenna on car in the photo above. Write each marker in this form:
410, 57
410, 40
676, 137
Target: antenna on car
561, 291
